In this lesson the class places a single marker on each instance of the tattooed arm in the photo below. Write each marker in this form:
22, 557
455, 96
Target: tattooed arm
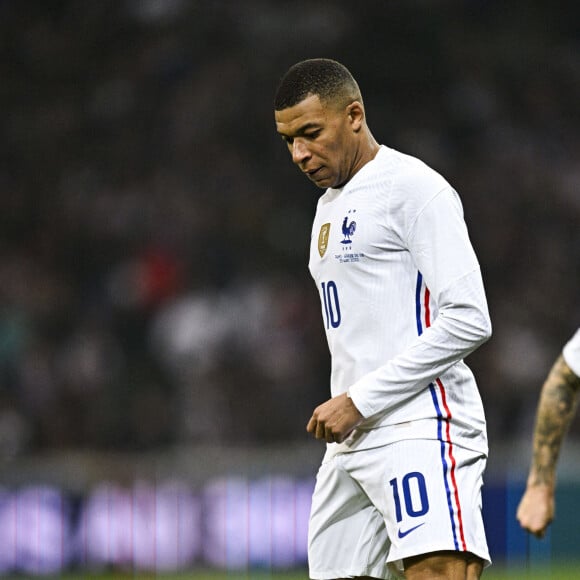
556, 409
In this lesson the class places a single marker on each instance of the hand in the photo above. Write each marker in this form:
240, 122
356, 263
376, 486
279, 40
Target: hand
536, 509
334, 420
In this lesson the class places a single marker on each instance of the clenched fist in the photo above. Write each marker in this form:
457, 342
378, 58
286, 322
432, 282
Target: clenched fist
334, 420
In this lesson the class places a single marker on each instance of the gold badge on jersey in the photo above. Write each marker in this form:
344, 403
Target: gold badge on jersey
323, 239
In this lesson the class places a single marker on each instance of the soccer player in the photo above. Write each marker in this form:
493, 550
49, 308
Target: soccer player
403, 304
556, 409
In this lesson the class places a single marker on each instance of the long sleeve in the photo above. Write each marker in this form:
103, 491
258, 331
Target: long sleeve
439, 244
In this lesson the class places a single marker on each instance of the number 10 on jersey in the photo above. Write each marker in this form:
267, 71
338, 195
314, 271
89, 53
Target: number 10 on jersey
331, 304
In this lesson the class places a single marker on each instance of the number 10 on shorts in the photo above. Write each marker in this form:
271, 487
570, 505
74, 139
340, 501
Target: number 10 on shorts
415, 500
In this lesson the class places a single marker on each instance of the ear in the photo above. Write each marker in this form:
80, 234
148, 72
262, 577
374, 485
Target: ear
356, 115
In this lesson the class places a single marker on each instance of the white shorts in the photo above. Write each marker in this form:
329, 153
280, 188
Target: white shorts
373, 508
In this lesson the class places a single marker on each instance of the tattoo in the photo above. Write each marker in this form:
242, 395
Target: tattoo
556, 410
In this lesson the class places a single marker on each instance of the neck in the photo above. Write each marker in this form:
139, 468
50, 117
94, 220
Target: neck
372, 147
367, 152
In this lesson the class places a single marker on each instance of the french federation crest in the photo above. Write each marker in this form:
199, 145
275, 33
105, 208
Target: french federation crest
348, 230
323, 239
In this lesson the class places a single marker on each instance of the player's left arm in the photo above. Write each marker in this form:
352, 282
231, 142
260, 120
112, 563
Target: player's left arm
439, 244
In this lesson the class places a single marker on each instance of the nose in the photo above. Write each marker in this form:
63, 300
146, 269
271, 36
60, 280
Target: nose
299, 151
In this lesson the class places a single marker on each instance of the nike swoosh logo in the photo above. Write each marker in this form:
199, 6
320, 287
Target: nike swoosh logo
407, 532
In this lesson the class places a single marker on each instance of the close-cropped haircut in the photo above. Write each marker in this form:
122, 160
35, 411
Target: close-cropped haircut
323, 77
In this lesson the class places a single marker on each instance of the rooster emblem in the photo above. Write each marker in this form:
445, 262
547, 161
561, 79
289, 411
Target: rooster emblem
348, 230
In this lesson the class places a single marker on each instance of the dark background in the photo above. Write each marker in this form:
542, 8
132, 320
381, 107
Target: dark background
154, 233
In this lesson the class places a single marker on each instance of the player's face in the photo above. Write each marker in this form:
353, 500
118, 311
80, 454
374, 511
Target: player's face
323, 139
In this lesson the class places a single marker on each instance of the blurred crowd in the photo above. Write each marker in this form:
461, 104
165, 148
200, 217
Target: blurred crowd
153, 241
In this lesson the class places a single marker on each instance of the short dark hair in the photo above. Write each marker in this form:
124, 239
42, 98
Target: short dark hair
324, 77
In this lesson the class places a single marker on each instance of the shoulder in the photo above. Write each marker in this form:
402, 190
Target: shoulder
414, 185
414, 178
408, 180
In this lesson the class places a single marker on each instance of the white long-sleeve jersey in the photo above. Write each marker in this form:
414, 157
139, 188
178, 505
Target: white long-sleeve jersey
571, 353
403, 303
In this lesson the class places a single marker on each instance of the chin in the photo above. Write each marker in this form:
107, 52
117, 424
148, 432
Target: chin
325, 183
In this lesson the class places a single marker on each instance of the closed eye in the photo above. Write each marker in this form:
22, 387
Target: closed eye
308, 132
312, 134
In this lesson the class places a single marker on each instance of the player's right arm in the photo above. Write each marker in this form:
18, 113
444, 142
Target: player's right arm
556, 409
